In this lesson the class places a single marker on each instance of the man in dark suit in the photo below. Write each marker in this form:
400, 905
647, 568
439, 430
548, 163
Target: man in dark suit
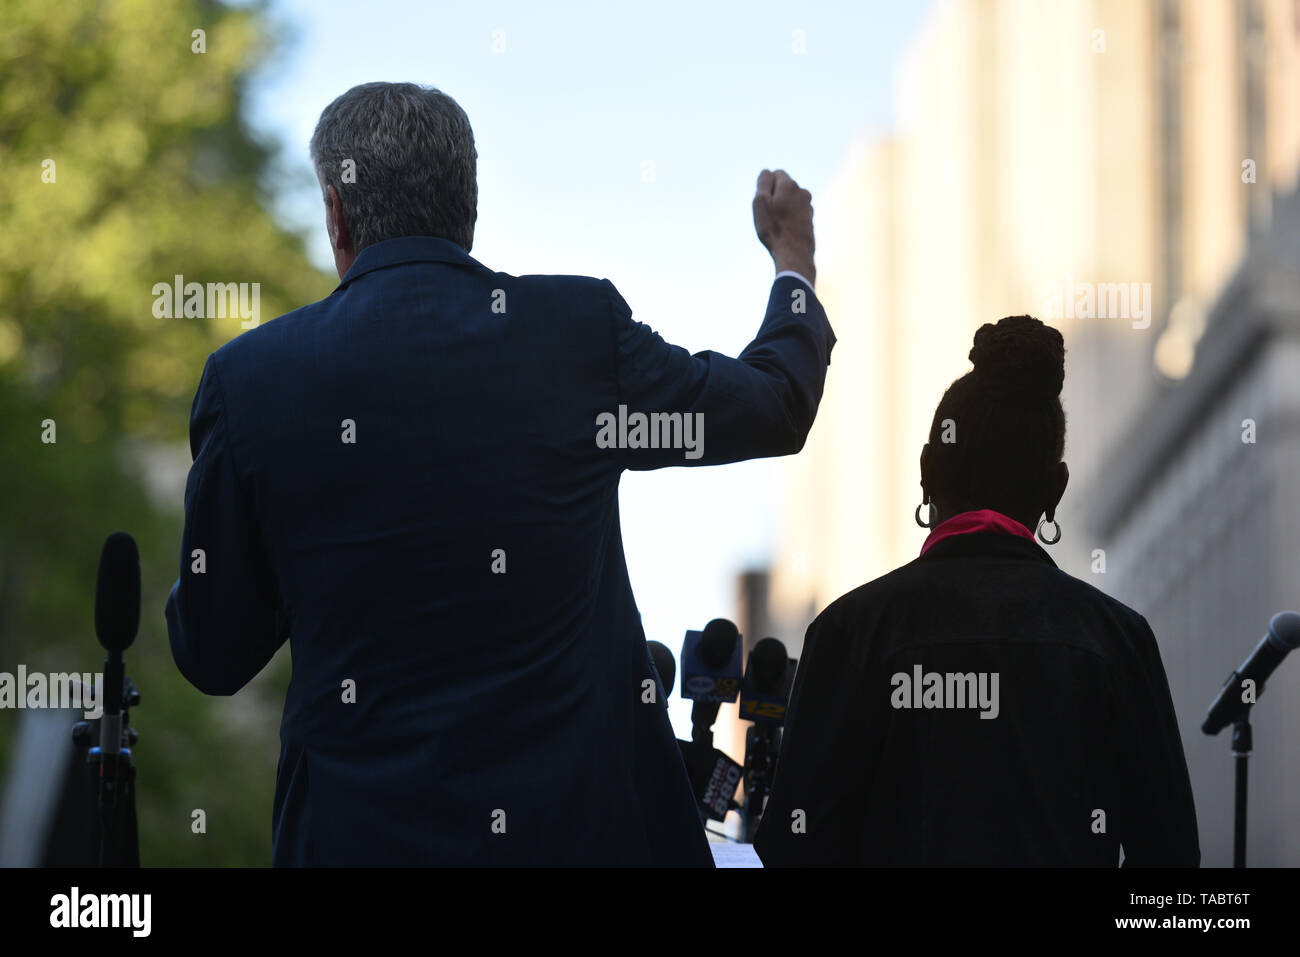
415, 482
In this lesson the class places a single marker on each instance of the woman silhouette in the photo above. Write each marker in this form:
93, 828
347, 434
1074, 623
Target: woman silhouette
979, 706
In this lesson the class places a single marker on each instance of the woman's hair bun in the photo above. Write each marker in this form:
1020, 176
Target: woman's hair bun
1020, 355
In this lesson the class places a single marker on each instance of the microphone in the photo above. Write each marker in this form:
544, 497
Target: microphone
711, 662
117, 619
117, 593
1283, 636
764, 697
714, 778
710, 676
765, 689
664, 664
710, 673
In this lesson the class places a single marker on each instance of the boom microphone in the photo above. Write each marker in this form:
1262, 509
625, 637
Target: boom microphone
1283, 636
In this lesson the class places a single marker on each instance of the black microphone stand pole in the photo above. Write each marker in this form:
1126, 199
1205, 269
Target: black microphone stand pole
761, 745
112, 773
1242, 742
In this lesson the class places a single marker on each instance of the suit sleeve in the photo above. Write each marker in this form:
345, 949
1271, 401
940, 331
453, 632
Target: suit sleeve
815, 814
761, 403
1158, 819
222, 618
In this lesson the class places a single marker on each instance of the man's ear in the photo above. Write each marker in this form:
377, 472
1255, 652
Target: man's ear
1060, 479
336, 221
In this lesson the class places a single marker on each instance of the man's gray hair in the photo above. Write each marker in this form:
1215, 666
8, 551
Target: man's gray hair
403, 161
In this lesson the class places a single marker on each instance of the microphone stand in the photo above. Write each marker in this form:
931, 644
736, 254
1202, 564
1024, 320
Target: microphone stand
761, 745
112, 773
1242, 742
1283, 636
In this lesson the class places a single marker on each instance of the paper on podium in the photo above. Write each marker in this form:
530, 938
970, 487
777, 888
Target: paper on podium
727, 854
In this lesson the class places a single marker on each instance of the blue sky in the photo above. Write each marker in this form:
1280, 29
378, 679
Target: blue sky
622, 141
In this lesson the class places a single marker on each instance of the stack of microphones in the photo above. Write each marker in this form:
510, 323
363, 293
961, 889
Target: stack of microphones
712, 675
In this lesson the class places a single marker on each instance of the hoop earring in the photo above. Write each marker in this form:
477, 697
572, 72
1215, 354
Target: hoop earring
1043, 538
930, 515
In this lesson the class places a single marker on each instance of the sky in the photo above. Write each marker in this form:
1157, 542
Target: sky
621, 141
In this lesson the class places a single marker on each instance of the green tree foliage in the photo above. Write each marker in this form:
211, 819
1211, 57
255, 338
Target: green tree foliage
154, 174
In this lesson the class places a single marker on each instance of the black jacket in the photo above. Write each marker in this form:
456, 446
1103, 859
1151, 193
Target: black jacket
409, 486
1082, 757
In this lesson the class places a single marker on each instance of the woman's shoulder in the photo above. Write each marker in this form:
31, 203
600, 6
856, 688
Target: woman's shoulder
922, 582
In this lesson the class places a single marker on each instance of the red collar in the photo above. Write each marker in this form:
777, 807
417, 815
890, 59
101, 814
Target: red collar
982, 520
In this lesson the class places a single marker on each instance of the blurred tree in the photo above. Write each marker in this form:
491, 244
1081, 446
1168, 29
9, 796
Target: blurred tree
124, 161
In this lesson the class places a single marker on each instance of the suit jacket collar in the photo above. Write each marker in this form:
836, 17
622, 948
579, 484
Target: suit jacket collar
986, 545
407, 249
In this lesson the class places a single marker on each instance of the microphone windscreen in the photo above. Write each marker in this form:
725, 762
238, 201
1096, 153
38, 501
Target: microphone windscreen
768, 663
664, 663
717, 643
1284, 628
117, 593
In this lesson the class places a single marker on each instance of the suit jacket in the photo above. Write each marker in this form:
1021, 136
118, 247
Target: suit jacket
404, 480
1082, 757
